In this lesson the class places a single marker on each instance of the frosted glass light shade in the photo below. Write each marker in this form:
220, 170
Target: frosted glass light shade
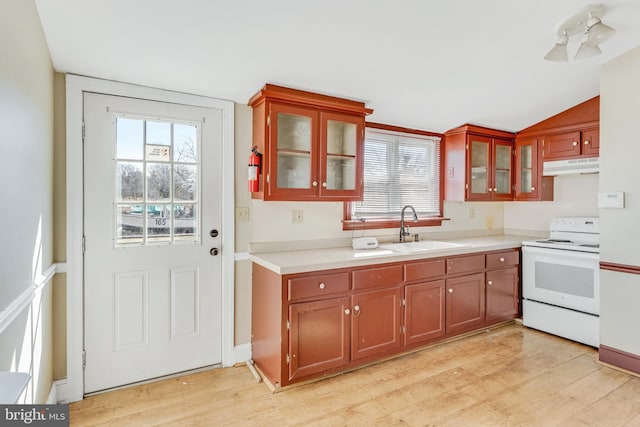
558, 53
587, 51
599, 33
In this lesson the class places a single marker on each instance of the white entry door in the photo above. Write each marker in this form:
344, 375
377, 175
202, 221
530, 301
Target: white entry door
152, 223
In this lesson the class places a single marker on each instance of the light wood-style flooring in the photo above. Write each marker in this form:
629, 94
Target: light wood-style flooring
510, 376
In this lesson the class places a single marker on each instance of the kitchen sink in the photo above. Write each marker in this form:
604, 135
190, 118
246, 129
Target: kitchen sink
426, 245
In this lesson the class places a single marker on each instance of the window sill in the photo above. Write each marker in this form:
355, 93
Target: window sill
370, 224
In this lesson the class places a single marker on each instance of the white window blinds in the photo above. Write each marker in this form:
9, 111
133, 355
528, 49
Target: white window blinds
399, 170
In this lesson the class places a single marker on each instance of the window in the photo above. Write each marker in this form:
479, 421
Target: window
400, 168
156, 182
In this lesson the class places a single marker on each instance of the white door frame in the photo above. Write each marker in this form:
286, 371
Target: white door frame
73, 388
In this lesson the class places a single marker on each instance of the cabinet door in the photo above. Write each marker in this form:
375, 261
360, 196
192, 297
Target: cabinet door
424, 312
561, 146
341, 156
375, 322
292, 153
479, 175
502, 294
527, 169
502, 172
465, 303
591, 143
318, 336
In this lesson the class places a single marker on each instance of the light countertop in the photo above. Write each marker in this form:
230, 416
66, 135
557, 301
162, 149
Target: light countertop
299, 261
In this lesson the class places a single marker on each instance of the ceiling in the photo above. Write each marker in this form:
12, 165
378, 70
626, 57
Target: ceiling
424, 64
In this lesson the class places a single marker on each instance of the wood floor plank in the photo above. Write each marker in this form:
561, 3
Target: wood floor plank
510, 376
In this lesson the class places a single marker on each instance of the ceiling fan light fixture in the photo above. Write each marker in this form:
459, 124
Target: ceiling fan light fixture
597, 32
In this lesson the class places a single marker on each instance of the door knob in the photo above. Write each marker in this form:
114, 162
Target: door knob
214, 233
213, 251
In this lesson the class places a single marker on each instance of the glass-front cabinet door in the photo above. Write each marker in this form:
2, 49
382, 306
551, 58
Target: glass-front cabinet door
293, 168
479, 151
526, 168
502, 170
340, 151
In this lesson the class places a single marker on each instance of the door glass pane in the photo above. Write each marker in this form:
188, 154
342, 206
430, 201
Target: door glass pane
129, 224
159, 223
526, 157
526, 181
158, 133
157, 167
129, 181
479, 166
129, 138
341, 173
184, 221
341, 155
503, 169
184, 182
158, 181
294, 170
294, 132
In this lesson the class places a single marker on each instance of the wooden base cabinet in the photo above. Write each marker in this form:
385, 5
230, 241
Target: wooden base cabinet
375, 320
318, 336
310, 325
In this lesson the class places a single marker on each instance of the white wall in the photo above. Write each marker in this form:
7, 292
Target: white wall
620, 228
574, 195
26, 135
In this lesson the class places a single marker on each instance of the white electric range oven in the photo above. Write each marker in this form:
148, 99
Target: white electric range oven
561, 280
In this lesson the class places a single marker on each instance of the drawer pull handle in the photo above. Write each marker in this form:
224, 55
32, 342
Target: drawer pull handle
347, 311
356, 311
321, 285
501, 259
489, 283
450, 290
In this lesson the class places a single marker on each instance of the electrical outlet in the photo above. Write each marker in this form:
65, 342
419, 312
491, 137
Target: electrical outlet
242, 214
472, 213
296, 216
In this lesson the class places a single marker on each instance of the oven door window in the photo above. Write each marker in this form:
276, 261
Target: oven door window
563, 278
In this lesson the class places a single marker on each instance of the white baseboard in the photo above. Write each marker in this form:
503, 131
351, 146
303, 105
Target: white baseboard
52, 399
242, 353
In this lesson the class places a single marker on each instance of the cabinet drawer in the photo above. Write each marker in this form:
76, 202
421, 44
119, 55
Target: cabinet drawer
503, 259
374, 277
465, 264
318, 286
424, 270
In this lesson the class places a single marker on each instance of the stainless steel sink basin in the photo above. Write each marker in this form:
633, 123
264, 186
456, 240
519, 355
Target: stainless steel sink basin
426, 245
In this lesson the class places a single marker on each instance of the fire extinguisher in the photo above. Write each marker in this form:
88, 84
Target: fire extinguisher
255, 163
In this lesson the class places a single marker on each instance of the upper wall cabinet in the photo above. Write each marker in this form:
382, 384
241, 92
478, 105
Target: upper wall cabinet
312, 145
571, 134
478, 164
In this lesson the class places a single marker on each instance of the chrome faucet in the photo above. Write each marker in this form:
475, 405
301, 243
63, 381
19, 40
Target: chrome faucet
404, 230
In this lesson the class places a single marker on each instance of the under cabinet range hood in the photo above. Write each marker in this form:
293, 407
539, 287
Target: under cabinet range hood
564, 167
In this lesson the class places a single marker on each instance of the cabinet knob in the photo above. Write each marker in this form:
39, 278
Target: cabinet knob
490, 189
586, 142
324, 185
450, 290
495, 189
321, 285
356, 311
314, 183
489, 283
574, 143
533, 188
347, 311
501, 259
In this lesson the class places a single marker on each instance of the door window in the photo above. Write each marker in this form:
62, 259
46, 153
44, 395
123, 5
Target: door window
157, 182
